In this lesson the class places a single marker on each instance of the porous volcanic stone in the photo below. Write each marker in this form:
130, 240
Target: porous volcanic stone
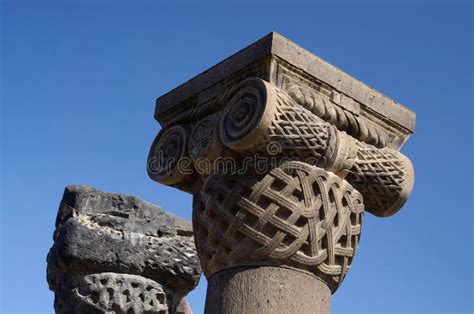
98, 232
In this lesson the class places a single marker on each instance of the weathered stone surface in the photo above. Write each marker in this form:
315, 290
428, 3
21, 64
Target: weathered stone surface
110, 293
98, 232
266, 290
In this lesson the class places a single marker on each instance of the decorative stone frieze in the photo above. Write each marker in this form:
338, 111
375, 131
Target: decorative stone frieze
111, 292
282, 153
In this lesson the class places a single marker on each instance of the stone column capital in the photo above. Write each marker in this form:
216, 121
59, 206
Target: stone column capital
283, 153
256, 122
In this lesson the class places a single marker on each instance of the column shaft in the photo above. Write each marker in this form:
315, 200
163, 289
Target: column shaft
266, 289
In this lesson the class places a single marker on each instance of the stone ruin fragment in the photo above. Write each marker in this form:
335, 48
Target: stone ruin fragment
115, 253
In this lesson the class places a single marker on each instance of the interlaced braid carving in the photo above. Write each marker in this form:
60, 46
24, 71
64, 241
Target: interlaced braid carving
342, 119
259, 114
297, 215
300, 133
385, 176
114, 293
276, 125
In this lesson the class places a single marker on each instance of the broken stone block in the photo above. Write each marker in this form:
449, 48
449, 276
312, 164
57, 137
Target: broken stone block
118, 253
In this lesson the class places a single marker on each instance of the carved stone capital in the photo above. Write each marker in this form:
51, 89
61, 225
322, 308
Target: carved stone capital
297, 215
281, 163
304, 209
258, 119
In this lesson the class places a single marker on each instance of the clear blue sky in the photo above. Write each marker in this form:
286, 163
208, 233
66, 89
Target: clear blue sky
79, 83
